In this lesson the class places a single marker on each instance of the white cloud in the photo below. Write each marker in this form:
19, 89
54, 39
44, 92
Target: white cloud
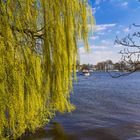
124, 4
101, 33
127, 30
118, 46
94, 37
92, 48
102, 27
98, 2
99, 53
81, 50
106, 42
98, 56
100, 47
109, 31
94, 10
117, 32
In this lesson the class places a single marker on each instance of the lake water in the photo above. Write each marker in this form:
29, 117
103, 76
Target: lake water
106, 109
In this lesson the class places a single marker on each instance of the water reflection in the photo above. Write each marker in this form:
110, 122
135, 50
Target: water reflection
57, 132
106, 109
130, 131
99, 134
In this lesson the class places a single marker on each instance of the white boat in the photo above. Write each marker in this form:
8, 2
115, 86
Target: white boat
86, 72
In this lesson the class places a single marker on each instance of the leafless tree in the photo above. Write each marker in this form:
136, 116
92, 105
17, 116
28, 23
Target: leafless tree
131, 52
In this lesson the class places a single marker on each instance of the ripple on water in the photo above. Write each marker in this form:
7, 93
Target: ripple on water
106, 109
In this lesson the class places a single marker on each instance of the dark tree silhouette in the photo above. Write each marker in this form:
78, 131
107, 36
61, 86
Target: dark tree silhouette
131, 52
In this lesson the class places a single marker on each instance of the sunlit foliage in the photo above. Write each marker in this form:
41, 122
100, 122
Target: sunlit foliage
38, 50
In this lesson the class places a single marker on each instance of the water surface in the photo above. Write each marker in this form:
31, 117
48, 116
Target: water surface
106, 109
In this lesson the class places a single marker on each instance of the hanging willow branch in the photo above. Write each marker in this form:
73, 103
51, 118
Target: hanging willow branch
38, 49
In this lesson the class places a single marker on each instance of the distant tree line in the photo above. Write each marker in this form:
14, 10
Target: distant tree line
107, 65
110, 66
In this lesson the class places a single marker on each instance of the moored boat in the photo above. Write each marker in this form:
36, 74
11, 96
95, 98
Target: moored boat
86, 72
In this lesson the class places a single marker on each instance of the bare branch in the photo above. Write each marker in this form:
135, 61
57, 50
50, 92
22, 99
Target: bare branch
130, 53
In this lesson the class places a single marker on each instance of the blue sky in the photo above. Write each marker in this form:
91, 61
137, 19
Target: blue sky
113, 18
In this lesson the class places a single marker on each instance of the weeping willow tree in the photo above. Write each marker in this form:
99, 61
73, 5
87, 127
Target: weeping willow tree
38, 50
